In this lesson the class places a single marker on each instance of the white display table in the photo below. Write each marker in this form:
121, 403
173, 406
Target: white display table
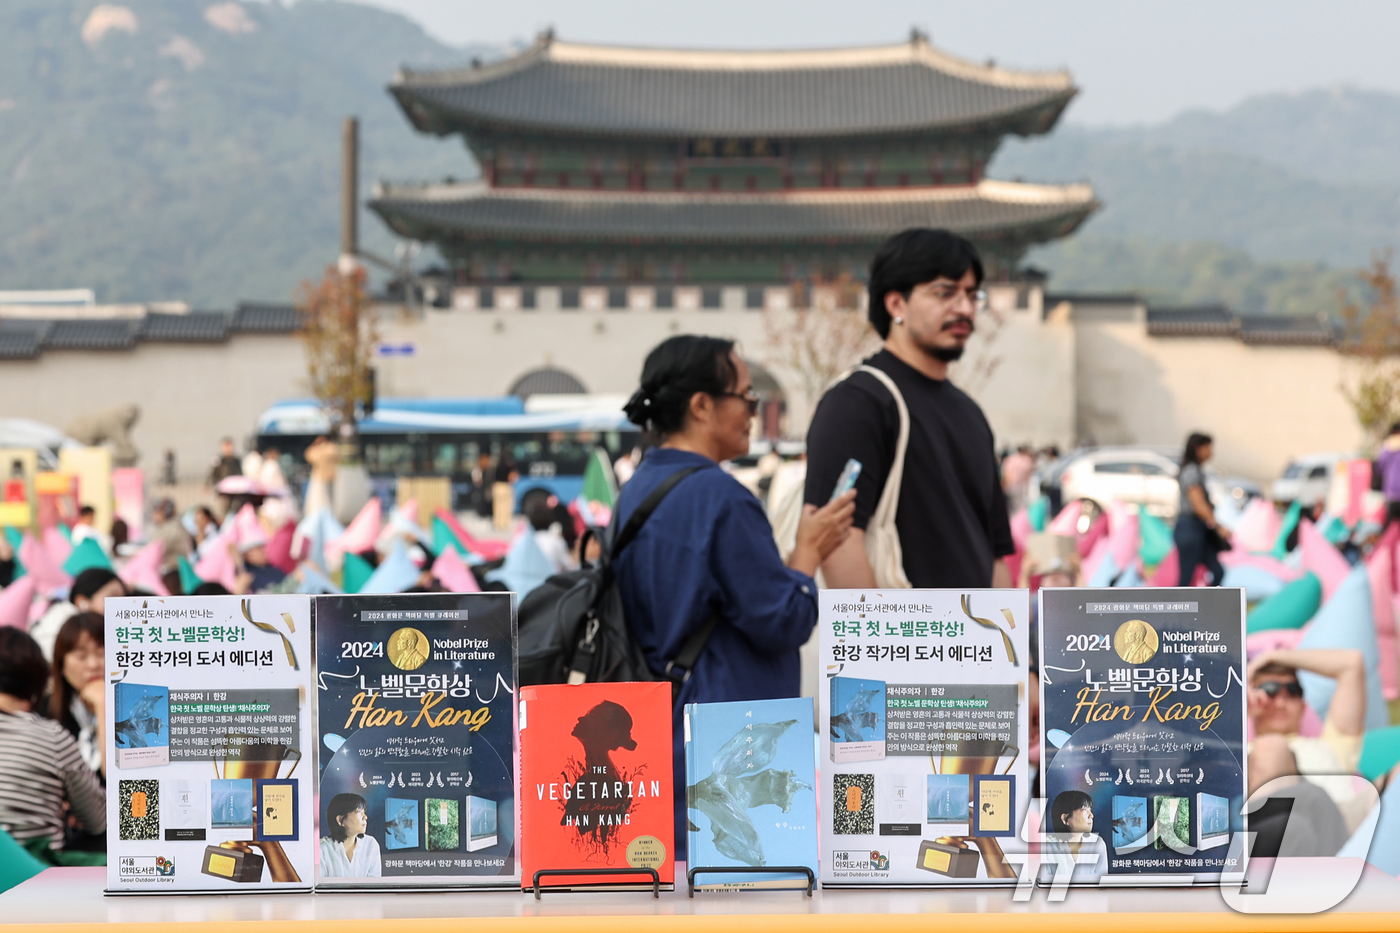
71, 899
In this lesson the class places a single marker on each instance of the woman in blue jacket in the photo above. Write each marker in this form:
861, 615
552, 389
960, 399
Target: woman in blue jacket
709, 546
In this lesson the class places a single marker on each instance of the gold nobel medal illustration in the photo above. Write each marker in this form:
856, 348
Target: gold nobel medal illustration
408, 649
1135, 641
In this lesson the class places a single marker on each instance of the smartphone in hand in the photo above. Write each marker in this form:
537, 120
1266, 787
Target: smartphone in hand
847, 480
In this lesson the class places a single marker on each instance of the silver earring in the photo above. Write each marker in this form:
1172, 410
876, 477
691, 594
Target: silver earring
899, 320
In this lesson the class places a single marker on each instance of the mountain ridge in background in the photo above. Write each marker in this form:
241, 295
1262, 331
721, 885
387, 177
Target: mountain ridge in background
168, 150
160, 149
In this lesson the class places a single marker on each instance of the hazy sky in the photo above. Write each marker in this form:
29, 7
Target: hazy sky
1136, 61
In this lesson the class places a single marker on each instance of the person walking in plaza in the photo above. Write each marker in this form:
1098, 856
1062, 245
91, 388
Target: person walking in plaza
1388, 465
1199, 538
707, 551
948, 524
167, 528
226, 464
503, 490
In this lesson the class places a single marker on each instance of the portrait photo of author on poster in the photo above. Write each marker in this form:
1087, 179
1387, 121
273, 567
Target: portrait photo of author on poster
347, 851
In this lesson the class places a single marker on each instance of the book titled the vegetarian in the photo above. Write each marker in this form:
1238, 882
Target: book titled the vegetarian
596, 783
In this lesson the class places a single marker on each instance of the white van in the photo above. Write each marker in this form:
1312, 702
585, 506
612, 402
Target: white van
1306, 479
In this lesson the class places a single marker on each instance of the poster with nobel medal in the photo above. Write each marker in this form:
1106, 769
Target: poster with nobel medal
208, 737
1143, 713
417, 748
924, 727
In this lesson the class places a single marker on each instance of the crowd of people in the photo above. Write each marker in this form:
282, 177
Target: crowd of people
931, 507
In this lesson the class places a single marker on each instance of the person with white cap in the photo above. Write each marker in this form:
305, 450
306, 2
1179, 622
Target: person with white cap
258, 574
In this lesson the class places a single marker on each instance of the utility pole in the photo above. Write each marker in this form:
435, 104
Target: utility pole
349, 194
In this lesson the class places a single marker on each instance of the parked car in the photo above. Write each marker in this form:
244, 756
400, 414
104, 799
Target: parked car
1306, 479
1140, 476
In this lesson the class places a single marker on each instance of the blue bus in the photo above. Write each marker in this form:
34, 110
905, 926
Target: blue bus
548, 440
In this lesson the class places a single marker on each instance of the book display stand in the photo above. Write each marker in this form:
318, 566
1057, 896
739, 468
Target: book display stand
751, 870
655, 877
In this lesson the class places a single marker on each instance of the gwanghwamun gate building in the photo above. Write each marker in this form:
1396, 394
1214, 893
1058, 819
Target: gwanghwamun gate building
629, 194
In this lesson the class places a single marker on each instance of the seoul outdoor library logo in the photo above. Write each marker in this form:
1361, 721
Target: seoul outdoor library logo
145, 867
859, 860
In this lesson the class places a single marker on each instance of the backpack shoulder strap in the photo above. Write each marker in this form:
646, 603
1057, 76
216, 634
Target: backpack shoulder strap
643, 511
678, 670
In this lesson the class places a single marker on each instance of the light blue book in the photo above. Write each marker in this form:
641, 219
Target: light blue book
857, 719
751, 781
141, 725
400, 823
481, 823
1132, 830
949, 797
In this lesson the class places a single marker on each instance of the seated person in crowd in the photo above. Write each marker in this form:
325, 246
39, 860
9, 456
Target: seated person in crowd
77, 696
86, 527
88, 593
43, 778
258, 574
554, 530
1276, 711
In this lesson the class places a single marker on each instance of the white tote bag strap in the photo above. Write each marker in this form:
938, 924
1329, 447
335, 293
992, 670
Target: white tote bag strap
889, 498
882, 545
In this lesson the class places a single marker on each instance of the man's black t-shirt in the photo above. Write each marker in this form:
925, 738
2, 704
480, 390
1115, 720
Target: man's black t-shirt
952, 516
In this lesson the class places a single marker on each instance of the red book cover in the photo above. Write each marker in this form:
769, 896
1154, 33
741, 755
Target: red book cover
595, 782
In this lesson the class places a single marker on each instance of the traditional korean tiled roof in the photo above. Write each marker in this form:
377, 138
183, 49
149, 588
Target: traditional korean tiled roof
195, 327
19, 343
98, 334
1192, 321
27, 338
258, 318
1287, 329
1216, 320
567, 88
475, 210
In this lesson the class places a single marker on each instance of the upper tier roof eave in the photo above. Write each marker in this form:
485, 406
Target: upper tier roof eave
915, 52
558, 87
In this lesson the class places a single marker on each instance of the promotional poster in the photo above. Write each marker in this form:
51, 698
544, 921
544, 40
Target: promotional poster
750, 773
1143, 714
208, 724
924, 733
595, 782
417, 746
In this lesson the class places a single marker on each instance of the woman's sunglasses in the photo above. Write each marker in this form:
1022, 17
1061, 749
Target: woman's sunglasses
1271, 688
750, 398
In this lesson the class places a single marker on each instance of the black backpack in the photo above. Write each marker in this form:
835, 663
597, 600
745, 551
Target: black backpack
573, 629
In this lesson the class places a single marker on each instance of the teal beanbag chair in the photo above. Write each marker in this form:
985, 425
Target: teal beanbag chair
1156, 539
87, 554
1290, 608
1290, 521
356, 573
1380, 751
16, 864
1036, 511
